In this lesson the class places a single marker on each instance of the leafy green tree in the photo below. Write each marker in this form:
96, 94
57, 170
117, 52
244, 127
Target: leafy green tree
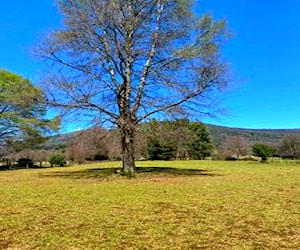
161, 150
179, 139
201, 144
263, 150
167, 139
122, 62
21, 112
33, 139
57, 159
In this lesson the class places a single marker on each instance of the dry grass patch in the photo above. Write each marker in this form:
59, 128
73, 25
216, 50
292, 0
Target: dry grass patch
170, 205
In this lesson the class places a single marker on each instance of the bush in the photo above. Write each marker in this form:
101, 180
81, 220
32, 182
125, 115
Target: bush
263, 150
57, 159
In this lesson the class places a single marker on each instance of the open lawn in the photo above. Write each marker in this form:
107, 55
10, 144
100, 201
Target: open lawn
170, 205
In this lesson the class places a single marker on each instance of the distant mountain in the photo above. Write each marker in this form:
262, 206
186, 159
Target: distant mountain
218, 133
272, 136
60, 139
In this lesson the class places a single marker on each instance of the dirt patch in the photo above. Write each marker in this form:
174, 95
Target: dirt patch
4, 244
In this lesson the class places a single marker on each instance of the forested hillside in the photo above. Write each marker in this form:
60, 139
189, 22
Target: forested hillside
272, 136
218, 133
165, 140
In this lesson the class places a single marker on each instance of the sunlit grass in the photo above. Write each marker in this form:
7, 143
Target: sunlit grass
170, 205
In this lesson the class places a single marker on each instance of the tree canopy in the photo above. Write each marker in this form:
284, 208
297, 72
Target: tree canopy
179, 139
263, 150
21, 111
125, 61
201, 144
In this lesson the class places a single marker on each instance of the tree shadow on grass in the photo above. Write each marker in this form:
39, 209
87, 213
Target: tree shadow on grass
104, 173
173, 171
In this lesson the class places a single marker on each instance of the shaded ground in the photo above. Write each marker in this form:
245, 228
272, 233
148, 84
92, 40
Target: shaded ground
141, 171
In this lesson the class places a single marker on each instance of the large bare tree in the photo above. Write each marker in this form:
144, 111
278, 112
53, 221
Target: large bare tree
125, 61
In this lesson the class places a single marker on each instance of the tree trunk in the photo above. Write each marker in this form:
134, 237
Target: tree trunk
263, 159
127, 142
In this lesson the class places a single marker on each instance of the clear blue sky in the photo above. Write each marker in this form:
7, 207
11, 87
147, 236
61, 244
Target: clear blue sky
264, 54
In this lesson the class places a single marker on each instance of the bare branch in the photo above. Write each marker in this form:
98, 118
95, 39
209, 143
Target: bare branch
148, 62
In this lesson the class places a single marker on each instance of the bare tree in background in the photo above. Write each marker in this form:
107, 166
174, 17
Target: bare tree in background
290, 146
91, 143
236, 145
125, 61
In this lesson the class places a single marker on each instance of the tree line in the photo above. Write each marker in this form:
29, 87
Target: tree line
156, 140
179, 139
237, 147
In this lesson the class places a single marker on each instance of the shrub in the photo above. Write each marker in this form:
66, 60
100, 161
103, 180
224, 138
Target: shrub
57, 159
263, 150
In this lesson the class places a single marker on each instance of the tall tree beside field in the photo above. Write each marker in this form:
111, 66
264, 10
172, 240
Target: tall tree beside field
162, 139
125, 61
168, 139
201, 144
179, 139
21, 113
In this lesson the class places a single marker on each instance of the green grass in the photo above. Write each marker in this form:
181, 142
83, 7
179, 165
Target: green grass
170, 205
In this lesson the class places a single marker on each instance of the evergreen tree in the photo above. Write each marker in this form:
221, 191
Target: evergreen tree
201, 144
179, 139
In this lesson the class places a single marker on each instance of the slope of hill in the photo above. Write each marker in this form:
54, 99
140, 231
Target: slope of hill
218, 133
273, 136
60, 139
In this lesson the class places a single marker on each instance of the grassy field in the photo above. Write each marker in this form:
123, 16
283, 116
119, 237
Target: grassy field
170, 205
